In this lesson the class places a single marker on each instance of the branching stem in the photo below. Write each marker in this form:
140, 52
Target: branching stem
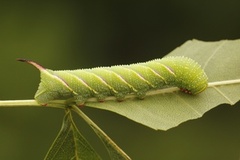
103, 136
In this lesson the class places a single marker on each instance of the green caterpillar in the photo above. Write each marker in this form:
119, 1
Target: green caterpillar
77, 86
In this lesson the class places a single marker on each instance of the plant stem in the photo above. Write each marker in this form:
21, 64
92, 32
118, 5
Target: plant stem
28, 103
19, 103
108, 142
61, 104
221, 83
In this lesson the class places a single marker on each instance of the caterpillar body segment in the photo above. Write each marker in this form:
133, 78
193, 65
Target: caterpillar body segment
77, 86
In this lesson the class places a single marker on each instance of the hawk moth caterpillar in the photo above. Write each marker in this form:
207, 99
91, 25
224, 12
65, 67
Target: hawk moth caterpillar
77, 86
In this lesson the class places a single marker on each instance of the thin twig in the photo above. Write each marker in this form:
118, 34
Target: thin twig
61, 104
100, 133
29, 103
221, 83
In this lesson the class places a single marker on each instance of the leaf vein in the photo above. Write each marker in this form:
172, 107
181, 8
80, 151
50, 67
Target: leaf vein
228, 99
213, 54
188, 105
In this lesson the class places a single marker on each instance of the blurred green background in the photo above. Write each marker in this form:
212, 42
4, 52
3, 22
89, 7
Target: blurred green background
82, 34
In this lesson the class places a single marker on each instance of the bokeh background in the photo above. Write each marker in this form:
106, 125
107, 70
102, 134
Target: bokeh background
82, 34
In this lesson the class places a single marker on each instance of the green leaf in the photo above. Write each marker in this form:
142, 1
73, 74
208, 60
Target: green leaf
70, 144
170, 108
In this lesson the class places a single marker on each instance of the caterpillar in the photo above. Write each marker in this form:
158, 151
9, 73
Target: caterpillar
77, 86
